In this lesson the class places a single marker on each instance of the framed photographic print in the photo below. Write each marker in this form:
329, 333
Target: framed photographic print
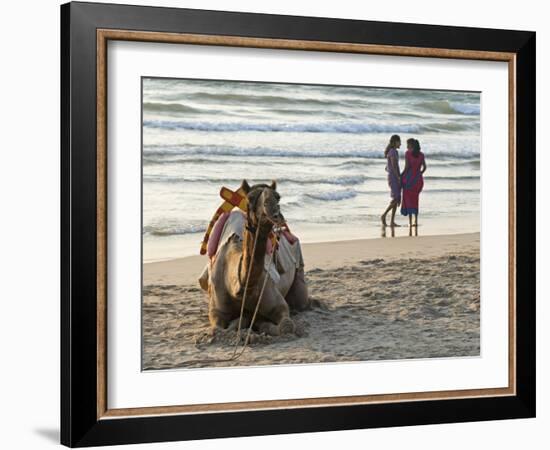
277, 224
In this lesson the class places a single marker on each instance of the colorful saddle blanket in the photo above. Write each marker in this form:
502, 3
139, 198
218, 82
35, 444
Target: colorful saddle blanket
237, 227
230, 224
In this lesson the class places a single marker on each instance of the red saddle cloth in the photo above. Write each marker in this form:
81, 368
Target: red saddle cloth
214, 239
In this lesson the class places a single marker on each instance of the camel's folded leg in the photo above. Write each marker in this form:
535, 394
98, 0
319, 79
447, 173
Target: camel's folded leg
234, 324
274, 308
220, 308
219, 318
298, 296
266, 326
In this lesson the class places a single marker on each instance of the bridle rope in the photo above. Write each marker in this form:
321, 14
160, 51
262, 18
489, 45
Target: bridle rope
236, 354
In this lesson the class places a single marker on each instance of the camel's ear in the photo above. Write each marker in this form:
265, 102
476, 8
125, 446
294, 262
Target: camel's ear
245, 186
273, 185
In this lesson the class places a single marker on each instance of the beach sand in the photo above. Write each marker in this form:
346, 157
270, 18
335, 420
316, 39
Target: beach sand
386, 298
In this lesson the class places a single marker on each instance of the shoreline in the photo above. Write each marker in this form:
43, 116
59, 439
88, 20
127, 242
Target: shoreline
175, 246
321, 255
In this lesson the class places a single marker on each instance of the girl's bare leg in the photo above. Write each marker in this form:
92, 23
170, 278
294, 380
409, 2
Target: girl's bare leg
415, 220
383, 217
410, 220
393, 224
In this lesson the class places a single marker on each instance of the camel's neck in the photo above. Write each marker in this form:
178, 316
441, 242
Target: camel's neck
256, 256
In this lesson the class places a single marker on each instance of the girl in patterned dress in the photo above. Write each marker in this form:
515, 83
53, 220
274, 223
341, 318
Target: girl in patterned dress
394, 178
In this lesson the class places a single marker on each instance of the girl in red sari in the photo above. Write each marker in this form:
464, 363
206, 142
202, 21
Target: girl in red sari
412, 180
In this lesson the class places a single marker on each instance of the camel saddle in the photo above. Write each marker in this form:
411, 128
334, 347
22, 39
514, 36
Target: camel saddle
229, 220
234, 199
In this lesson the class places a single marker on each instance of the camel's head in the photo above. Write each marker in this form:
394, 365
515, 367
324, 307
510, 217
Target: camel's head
263, 203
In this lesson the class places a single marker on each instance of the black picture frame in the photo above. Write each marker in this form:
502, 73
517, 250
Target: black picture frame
80, 425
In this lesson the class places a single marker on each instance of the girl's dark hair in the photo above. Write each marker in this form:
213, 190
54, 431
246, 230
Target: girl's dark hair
416, 148
392, 144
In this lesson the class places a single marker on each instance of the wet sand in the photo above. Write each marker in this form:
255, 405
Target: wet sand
380, 299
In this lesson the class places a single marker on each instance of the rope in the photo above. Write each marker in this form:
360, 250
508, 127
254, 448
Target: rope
238, 338
236, 355
243, 348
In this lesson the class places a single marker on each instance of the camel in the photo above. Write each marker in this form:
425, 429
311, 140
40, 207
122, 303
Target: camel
225, 279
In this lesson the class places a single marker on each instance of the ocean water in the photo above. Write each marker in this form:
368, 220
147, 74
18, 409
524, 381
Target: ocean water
323, 144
